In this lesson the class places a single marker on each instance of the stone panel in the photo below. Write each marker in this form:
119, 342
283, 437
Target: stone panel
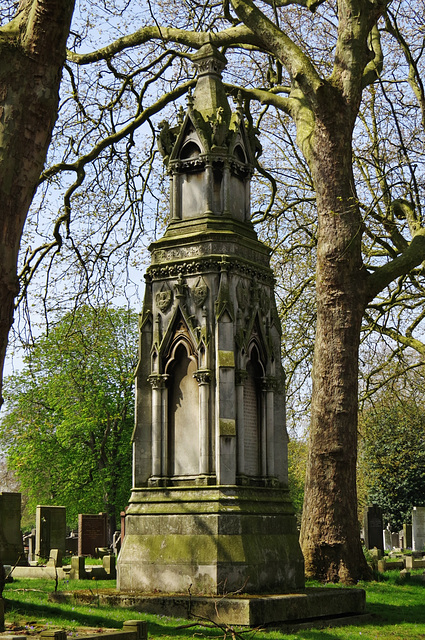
251, 427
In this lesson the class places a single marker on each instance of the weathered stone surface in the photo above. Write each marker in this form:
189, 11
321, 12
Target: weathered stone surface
11, 543
310, 604
50, 525
210, 506
212, 539
373, 530
418, 528
92, 532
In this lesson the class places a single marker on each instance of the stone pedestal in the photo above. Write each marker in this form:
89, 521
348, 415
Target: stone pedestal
211, 540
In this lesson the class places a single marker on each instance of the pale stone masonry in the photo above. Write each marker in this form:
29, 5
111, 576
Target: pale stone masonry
210, 507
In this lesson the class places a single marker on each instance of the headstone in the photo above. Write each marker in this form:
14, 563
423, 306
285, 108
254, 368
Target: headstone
387, 540
29, 546
50, 530
395, 541
373, 530
116, 542
407, 536
78, 570
92, 533
55, 558
418, 528
109, 564
401, 544
72, 544
11, 542
382, 565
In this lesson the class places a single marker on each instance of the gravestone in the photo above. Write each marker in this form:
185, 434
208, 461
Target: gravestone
407, 536
210, 508
50, 530
55, 558
92, 533
387, 540
11, 541
373, 530
418, 528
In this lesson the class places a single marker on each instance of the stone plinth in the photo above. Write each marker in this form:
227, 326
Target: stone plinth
212, 540
314, 605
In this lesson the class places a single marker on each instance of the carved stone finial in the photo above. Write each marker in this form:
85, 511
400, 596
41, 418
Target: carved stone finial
190, 98
209, 60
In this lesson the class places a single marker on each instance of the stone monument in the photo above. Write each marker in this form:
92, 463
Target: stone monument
373, 530
92, 533
418, 528
50, 530
210, 508
11, 541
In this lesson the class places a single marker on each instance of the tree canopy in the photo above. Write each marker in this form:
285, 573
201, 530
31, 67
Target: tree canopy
69, 419
392, 449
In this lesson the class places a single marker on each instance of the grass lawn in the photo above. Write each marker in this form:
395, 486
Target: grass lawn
397, 608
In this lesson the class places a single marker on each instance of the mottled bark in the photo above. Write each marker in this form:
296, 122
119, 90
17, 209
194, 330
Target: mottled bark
32, 52
330, 536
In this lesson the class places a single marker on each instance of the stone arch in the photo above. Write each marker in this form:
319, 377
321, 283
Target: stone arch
253, 411
239, 153
183, 413
190, 150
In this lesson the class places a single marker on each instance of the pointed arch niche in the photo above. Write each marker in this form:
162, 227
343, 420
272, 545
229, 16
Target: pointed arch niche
183, 402
253, 414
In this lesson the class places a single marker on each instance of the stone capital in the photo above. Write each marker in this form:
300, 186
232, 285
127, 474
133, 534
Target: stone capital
158, 381
203, 376
240, 377
269, 383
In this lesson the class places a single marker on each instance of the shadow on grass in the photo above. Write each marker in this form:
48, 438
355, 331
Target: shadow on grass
159, 626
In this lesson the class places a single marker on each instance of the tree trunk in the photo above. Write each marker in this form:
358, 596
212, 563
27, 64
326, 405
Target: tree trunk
330, 536
32, 53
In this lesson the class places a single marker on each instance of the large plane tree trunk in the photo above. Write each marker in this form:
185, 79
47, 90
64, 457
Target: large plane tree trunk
32, 53
330, 536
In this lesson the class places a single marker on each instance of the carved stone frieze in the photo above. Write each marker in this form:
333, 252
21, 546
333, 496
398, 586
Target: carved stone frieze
162, 271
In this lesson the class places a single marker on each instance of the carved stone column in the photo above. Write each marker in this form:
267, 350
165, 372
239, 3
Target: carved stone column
240, 378
159, 422
269, 385
203, 377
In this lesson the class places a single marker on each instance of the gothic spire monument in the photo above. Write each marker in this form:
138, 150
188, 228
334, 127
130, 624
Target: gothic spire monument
210, 505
